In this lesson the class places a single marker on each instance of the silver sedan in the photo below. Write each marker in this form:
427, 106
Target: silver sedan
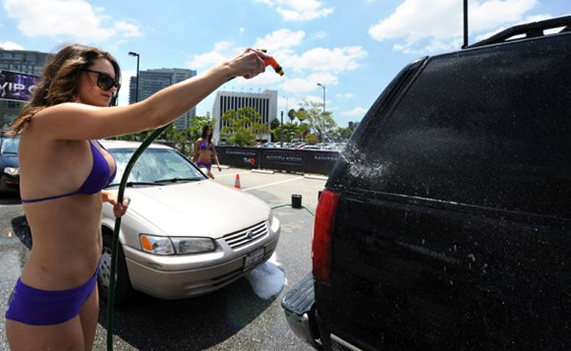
184, 235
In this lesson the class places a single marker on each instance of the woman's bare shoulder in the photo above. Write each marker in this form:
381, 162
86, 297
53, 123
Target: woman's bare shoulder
64, 108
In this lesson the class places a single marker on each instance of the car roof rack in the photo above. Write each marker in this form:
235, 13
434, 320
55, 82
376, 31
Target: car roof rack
528, 30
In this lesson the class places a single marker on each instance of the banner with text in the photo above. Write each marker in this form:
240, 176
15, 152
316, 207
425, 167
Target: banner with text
290, 160
17, 86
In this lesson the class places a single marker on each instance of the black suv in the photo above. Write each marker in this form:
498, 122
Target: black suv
446, 222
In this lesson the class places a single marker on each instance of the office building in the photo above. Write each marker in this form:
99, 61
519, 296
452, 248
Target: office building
21, 61
266, 103
153, 80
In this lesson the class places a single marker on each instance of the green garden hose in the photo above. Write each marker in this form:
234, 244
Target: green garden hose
289, 205
115, 247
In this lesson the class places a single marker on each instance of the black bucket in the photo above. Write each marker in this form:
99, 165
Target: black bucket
296, 201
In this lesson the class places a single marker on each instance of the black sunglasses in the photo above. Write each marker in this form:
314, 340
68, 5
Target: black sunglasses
104, 81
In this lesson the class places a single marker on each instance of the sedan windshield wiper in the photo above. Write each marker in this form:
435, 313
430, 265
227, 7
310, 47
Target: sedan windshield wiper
132, 184
176, 180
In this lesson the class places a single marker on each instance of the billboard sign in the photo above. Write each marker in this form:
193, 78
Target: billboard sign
17, 86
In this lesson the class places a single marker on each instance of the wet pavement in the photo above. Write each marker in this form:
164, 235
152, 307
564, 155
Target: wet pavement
239, 317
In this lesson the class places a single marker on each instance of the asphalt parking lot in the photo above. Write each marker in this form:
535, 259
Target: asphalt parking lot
245, 316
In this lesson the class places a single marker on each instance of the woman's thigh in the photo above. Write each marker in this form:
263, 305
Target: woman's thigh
89, 315
63, 336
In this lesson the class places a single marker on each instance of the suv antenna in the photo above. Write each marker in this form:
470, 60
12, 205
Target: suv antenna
465, 24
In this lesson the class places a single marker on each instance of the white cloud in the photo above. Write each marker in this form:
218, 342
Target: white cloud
308, 83
302, 71
280, 39
129, 29
319, 35
328, 60
298, 10
74, 18
486, 15
222, 51
413, 22
8, 45
356, 112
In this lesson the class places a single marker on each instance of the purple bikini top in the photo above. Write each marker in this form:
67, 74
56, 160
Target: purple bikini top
203, 146
97, 180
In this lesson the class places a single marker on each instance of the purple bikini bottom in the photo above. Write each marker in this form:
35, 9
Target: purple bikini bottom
41, 307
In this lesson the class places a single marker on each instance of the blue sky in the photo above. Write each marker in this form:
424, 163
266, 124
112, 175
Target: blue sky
352, 47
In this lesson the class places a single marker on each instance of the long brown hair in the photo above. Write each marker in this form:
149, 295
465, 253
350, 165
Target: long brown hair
205, 134
59, 81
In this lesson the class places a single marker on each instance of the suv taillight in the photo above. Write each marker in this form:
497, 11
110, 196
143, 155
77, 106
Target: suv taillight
322, 232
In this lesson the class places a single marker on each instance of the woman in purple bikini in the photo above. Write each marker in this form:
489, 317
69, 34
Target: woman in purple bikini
55, 304
205, 151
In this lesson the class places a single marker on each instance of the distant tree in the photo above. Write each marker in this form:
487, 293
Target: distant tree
275, 124
175, 138
291, 114
304, 130
243, 127
320, 122
345, 134
242, 137
301, 115
290, 130
311, 139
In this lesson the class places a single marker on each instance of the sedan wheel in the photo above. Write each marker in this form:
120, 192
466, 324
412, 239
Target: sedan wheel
122, 282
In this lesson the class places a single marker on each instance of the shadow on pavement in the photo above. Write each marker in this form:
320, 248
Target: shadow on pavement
191, 324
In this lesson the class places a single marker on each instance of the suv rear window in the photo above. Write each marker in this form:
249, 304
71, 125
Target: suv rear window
488, 128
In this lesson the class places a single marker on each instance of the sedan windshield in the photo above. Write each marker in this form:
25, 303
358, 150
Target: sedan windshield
9, 145
155, 166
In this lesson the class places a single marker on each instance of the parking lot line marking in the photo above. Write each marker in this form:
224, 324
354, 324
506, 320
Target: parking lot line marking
274, 183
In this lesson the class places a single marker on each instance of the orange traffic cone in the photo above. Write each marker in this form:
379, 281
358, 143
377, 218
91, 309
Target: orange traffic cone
237, 182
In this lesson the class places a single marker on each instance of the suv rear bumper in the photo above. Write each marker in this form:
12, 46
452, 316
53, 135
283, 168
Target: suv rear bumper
299, 308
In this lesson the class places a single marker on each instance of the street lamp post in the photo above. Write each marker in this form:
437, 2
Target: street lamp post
323, 87
282, 131
131, 53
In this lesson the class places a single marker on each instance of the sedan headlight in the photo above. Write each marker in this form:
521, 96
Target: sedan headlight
157, 245
12, 171
193, 245
160, 245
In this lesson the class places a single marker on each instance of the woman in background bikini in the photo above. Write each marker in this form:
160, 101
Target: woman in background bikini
205, 151
63, 171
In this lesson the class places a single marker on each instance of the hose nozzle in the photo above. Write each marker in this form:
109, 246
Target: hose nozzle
272, 62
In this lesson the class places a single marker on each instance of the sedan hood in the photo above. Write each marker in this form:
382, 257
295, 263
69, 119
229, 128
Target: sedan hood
199, 208
9, 160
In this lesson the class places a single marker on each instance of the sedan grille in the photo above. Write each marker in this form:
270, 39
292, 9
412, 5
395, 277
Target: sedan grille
245, 236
